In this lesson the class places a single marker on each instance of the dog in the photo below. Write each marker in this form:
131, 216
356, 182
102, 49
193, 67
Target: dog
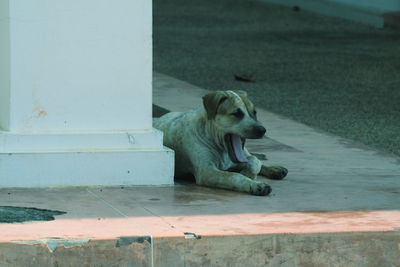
209, 143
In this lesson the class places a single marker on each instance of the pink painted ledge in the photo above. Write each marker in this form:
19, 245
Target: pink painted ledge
207, 225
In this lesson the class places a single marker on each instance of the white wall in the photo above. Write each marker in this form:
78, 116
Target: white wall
76, 95
4, 65
72, 61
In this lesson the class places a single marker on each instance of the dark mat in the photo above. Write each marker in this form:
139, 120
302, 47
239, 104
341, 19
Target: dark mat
10, 214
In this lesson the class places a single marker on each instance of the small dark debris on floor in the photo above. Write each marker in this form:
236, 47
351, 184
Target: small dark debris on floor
296, 8
244, 78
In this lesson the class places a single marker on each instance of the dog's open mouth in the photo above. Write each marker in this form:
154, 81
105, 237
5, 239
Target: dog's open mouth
235, 145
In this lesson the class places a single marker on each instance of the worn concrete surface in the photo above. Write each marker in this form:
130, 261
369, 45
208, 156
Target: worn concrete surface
326, 172
320, 250
339, 206
146, 227
86, 254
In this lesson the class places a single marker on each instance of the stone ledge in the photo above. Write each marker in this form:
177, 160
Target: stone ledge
82, 142
89, 168
309, 249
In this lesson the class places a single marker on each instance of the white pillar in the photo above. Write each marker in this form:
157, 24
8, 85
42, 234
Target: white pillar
75, 94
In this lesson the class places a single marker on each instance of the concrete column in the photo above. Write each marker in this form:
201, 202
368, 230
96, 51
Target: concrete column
75, 94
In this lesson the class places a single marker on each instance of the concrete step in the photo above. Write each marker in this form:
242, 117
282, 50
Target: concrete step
338, 206
188, 225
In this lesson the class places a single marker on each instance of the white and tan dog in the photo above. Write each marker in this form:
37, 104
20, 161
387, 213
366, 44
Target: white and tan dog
209, 143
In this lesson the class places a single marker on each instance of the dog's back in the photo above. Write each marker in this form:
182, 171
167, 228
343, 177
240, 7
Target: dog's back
176, 127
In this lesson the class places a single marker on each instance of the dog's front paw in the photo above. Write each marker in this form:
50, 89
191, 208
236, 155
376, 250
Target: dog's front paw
248, 173
259, 188
252, 168
274, 172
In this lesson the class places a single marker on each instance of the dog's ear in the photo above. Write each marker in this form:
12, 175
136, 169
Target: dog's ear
212, 101
242, 94
246, 100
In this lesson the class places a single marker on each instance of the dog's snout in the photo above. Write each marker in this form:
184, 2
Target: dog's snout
259, 131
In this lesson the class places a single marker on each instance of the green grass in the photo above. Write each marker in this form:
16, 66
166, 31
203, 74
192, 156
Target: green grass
328, 73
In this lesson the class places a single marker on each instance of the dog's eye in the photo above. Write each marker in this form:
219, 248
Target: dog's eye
238, 113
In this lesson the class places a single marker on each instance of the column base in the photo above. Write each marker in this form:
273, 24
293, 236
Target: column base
106, 159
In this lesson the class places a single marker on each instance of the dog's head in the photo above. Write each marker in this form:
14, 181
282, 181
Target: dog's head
235, 117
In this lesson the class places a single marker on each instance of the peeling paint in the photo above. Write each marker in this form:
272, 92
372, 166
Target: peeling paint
191, 236
129, 240
37, 108
53, 243
131, 138
41, 113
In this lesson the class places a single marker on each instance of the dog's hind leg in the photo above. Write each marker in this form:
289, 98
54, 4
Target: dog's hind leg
213, 177
273, 172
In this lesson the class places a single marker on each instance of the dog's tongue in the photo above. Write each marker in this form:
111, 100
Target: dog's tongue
238, 148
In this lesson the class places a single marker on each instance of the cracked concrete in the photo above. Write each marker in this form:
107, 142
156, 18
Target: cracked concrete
53, 243
129, 240
339, 206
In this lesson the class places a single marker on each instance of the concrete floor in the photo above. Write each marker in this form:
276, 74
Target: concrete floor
330, 73
326, 172
338, 206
